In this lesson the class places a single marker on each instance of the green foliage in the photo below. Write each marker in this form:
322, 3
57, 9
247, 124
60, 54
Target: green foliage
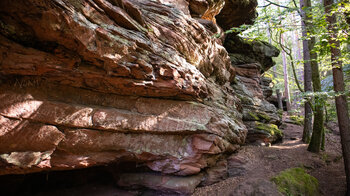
272, 21
239, 29
296, 181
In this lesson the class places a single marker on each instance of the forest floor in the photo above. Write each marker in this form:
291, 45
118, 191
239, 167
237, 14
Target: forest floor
266, 162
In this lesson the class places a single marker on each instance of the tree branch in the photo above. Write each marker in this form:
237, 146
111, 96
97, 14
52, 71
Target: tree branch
278, 5
282, 6
264, 5
298, 10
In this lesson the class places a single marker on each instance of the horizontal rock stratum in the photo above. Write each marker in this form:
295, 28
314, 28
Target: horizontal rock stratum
87, 83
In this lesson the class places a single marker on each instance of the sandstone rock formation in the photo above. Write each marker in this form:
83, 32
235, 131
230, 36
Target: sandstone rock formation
88, 83
105, 82
250, 59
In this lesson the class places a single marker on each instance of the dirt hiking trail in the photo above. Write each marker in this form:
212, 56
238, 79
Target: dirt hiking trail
261, 163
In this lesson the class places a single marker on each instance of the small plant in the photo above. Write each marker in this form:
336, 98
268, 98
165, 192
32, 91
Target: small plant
325, 158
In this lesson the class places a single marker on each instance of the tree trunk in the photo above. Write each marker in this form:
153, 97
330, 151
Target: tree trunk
270, 42
279, 99
326, 114
297, 48
307, 72
317, 129
298, 55
339, 87
347, 13
286, 82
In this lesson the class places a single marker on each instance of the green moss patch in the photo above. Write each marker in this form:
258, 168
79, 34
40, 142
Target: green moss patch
253, 116
272, 129
264, 116
296, 181
296, 119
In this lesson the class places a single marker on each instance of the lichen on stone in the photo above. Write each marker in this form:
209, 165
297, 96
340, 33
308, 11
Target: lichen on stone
296, 181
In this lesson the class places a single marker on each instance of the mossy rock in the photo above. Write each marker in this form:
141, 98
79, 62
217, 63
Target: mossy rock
255, 117
296, 119
264, 116
244, 99
280, 113
295, 182
272, 129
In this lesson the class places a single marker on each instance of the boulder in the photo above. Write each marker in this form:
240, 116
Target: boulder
266, 88
245, 50
236, 13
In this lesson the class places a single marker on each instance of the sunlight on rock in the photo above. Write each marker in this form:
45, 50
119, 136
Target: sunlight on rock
84, 161
25, 159
22, 109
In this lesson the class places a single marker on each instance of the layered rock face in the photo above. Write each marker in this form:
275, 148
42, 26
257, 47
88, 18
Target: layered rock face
105, 82
88, 83
250, 59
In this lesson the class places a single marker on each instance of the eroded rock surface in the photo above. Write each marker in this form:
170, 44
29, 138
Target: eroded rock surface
250, 59
67, 130
98, 82
140, 48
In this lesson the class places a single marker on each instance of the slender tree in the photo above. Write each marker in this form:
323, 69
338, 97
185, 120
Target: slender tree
305, 4
279, 99
288, 51
339, 87
284, 62
286, 81
317, 129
